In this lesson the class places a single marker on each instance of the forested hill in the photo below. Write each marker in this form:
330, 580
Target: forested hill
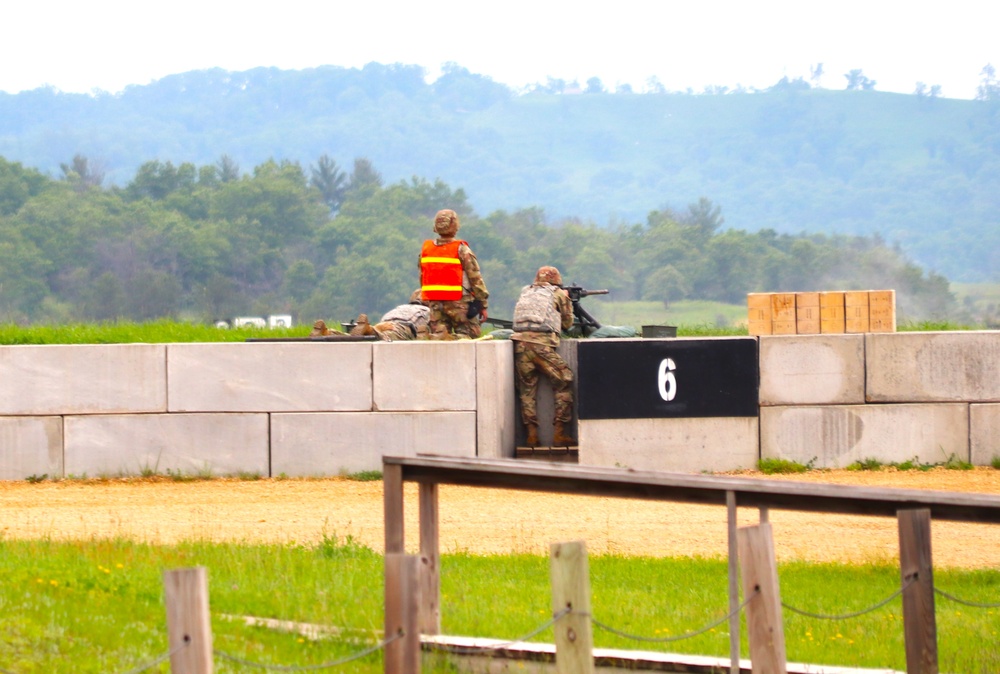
918, 170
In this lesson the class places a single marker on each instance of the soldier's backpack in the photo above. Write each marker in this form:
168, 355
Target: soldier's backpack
536, 310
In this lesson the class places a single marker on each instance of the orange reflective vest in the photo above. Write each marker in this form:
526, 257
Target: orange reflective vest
441, 270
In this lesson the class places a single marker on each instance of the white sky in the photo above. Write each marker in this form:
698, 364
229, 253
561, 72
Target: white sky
104, 44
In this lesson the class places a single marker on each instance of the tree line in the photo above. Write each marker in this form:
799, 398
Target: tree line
322, 241
921, 170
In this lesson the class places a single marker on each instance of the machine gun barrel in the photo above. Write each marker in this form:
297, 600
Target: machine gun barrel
585, 323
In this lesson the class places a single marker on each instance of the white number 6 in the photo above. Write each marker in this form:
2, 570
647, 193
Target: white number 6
665, 379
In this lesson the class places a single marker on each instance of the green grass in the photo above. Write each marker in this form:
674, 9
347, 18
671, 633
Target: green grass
693, 317
97, 606
154, 332
783, 466
952, 462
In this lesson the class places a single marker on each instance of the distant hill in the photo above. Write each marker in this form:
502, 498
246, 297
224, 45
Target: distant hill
919, 171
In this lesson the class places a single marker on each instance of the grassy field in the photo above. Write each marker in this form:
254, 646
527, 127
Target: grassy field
97, 606
687, 315
692, 318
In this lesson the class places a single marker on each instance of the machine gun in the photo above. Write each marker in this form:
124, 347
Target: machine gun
583, 323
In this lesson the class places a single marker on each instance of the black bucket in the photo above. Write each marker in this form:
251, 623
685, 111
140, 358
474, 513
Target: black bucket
658, 331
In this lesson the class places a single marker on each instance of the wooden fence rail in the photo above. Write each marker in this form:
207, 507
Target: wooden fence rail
913, 509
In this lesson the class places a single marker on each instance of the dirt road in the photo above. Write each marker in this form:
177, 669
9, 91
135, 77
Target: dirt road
479, 520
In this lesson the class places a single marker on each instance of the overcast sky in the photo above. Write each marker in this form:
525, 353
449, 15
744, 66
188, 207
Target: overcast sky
101, 44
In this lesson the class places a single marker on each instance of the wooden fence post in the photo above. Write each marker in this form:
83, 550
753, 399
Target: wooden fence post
430, 573
919, 621
571, 589
402, 613
766, 633
189, 627
392, 507
734, 584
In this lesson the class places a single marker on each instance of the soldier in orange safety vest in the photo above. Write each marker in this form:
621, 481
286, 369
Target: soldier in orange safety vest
451, 284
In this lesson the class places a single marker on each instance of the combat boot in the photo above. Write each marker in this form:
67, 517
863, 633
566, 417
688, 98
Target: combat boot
532, 437
560, 438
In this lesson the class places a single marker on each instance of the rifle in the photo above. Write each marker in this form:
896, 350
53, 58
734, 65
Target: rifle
584, 323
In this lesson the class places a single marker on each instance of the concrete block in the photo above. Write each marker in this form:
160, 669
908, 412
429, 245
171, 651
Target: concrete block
424, 376
836, 436
306, 445
984, 433
496, 422
189, 444
270, 377
83, 379
812, 369
681, 445
31, 446
933, 366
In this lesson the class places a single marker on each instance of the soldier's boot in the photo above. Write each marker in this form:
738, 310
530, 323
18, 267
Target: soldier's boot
560, 437
532, 438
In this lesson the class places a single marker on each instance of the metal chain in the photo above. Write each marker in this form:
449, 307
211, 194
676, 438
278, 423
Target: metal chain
964, 601
140, 668
304, 668
464, 650
681, 636
845, 616
165, 656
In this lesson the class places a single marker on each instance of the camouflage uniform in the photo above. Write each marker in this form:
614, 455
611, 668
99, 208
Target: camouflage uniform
449, 318
534, 353
405, 322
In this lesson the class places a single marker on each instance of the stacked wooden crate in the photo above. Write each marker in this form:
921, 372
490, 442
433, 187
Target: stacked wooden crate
812, 313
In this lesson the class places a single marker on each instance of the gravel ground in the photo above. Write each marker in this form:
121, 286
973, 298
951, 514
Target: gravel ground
480, 520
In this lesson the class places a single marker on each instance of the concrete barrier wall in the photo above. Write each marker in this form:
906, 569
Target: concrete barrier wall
267, 408
300, 408
891, 397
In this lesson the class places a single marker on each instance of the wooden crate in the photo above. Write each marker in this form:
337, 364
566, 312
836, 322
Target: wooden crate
831, 312
783, 313
807, 313
856, 311
882, 310
759, 313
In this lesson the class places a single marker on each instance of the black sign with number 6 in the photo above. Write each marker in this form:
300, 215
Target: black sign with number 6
648, 379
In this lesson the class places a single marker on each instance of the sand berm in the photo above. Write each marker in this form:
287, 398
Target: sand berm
480, 520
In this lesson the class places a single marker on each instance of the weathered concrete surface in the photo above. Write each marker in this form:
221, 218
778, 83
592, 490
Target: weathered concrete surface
933, 366
270, 377
307, 445
189, 444
984, 433
82, 379
836, 436
31, 446
424, 376
495, 413
812, 369
686, 445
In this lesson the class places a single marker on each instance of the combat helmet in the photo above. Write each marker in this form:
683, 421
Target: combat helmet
548, 275
446, 223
